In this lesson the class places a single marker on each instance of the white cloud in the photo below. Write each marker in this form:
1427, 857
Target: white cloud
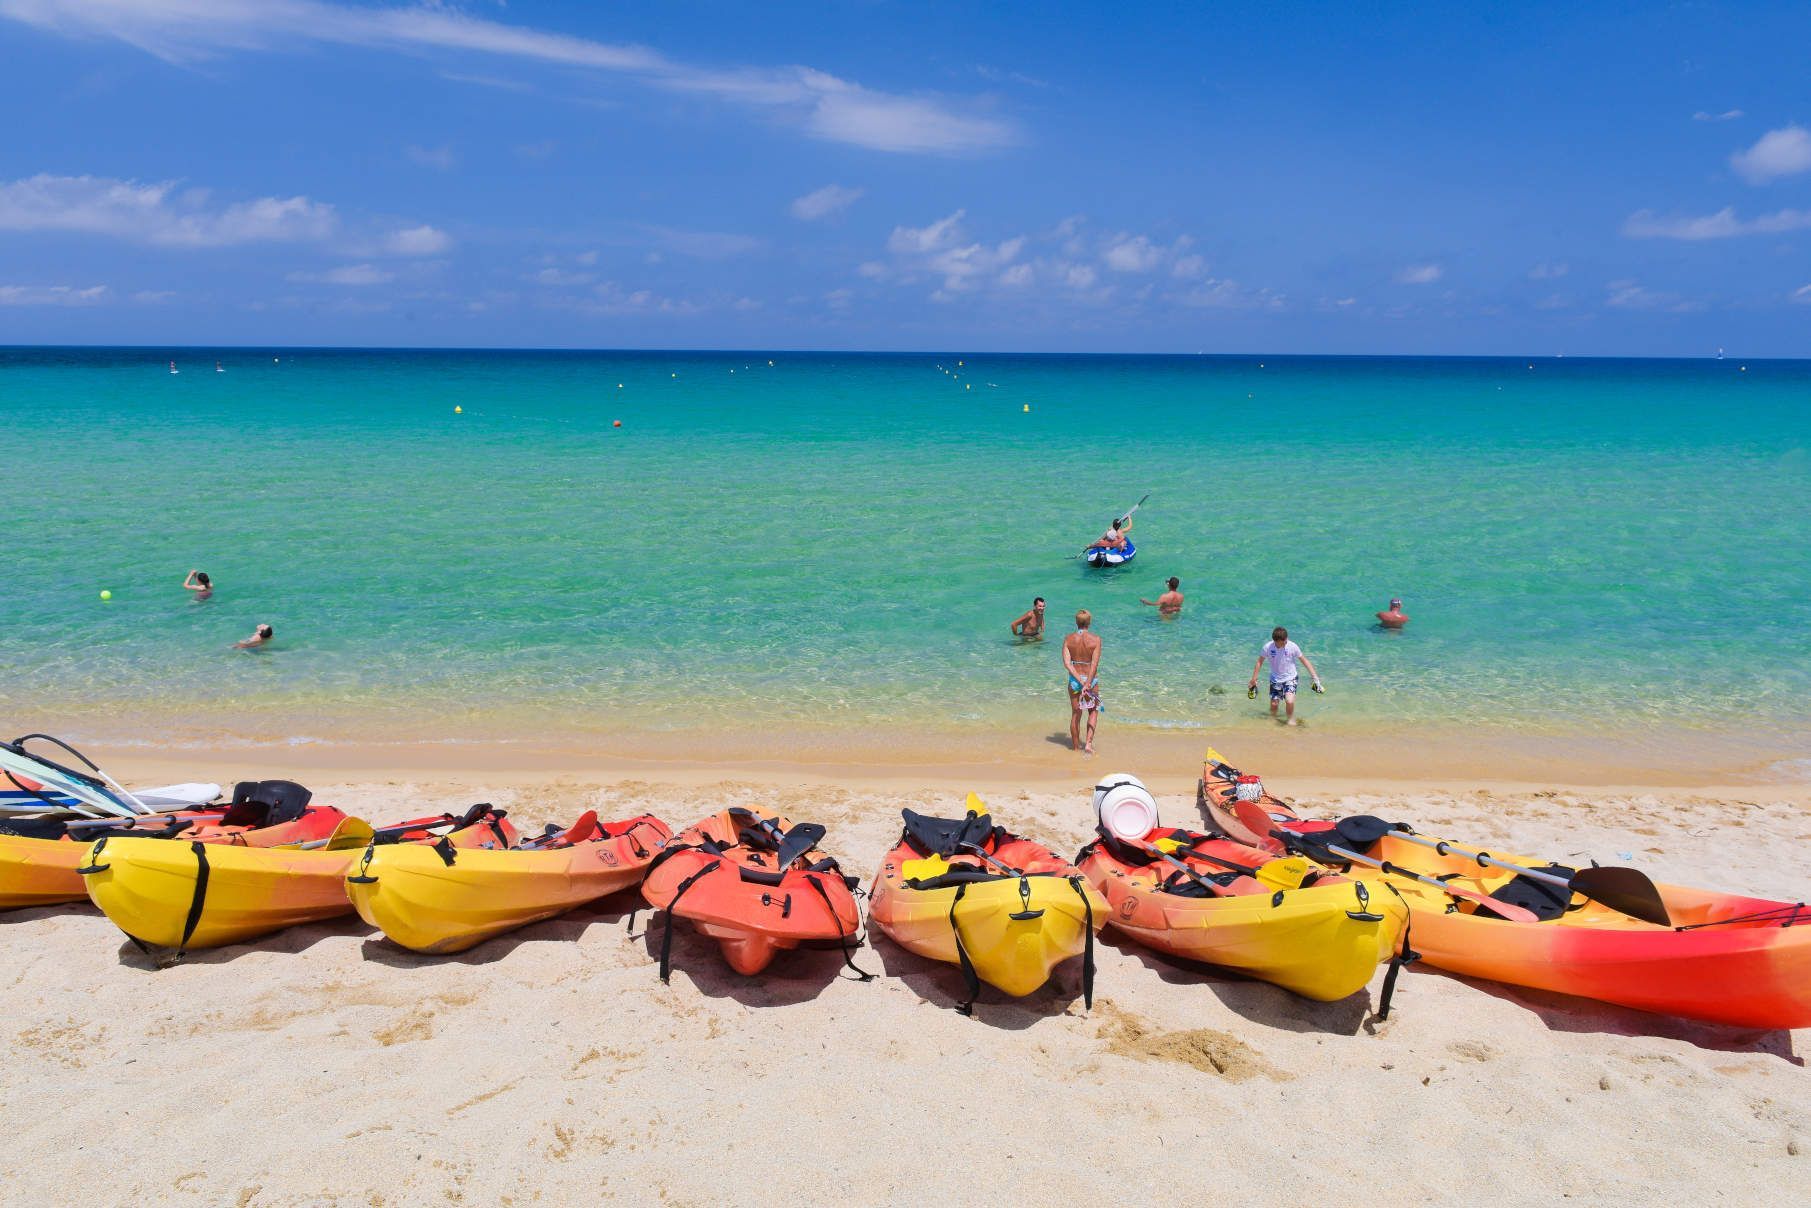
873, 270
441, 159
1420, 274
1782, 152
348, 274
1631, 295
156, 213
1728, 115
824, 202
1077, 276
612, 299
1189, 266
418, 241
839, 299
1230, 295
153, 297
1645, 224
555, 276
1018, 275
1131, 254
52, 295
823, 105
907, 240
1549, 270
1802, 294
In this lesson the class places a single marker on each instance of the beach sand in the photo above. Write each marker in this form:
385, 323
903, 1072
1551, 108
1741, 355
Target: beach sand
325, 1066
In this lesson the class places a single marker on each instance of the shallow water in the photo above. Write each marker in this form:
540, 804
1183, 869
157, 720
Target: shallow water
845, 538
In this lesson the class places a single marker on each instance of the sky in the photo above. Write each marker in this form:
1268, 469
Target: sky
1536, 179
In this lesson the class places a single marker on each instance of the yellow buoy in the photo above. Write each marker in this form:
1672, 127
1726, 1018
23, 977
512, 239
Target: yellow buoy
106, 595
458, 410
1028, 408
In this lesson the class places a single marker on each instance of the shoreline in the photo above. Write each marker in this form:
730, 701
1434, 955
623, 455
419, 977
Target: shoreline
957, 759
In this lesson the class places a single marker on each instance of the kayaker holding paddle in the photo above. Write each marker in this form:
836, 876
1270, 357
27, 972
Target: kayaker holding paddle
1282, 655
1115, 536
1081, 659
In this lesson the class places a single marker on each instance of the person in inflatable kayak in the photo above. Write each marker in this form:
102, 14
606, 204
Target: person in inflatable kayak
1114, 537
1282, 655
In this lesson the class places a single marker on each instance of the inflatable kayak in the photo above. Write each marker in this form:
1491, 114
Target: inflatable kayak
755, 883
1006, 910
1111, 557
445, 899
1719, 957
186, 895
1285, 921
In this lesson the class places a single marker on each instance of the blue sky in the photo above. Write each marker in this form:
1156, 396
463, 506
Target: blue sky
1579, 179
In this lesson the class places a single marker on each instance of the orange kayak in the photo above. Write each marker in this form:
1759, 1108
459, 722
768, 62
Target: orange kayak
758, 885
1721, 957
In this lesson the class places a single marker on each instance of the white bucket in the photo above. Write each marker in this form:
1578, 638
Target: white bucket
1124, 807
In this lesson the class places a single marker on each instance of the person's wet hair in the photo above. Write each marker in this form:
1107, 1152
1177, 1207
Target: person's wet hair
1082, 618
265, 631
1037, 601
1279, 634
1174, 582
201, 577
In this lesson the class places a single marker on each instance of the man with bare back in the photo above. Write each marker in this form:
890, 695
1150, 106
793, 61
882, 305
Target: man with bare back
1081, 659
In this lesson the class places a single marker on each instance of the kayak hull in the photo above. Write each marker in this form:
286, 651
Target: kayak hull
425, 903
1727, 959
731, 892
1110, 557
1323, 941
1057, 906
40, 872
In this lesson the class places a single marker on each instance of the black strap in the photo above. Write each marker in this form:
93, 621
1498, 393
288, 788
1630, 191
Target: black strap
201, 893
666, 939
970, 979
841, 935
1075, 883
444, 849
1406, 955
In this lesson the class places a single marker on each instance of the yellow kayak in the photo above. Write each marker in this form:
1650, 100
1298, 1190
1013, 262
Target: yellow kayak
1003, 908
1285, 921
433, 899
172, 894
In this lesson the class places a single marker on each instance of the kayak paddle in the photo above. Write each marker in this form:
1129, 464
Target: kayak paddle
1626, 890
1258, 819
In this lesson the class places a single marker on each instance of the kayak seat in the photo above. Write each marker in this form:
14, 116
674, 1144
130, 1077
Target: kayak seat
947, 836
1544, 900
33, 828
1187, 887
954, 877
260, 803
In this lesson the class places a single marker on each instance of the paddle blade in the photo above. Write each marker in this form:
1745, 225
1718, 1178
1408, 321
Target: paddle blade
1286, 873
976, 805
351, 832
1626, 889
1256, 819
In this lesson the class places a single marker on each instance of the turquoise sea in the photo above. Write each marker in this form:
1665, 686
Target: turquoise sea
842, 539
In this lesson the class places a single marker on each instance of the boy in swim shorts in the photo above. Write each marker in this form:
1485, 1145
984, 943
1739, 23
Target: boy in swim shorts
1282, 655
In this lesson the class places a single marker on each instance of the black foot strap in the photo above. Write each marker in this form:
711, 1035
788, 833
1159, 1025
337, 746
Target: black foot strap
666, 938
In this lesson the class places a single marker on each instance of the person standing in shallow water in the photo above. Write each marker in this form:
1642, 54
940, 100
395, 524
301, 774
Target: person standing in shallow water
1081, 659
199, 583
1282, 655
1395, 618
1170, 602
1030, 624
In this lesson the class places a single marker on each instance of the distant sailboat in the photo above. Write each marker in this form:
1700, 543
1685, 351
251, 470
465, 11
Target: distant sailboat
1719, 354
217, 368
173, 368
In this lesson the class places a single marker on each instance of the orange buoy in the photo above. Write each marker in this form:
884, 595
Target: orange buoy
617, 424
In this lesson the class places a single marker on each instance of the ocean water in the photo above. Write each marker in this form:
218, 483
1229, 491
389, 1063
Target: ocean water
841, 540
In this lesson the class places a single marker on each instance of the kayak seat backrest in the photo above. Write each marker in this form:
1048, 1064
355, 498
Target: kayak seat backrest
960, 875
259, 803
1546, 901
947, 836
33, 828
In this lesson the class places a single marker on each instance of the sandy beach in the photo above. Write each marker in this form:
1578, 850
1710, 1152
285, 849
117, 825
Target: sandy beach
325, 1066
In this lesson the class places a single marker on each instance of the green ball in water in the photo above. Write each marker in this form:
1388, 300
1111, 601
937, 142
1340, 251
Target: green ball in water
106, 595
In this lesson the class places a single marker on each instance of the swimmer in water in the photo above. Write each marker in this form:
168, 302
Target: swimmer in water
1395, 618
263, 635
1170, 602
199, 583
1031, 624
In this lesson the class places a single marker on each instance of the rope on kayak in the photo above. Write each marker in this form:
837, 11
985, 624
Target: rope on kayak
1406, 955
1788, 914
970, 978
1075, 883
666, 939
841, 935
